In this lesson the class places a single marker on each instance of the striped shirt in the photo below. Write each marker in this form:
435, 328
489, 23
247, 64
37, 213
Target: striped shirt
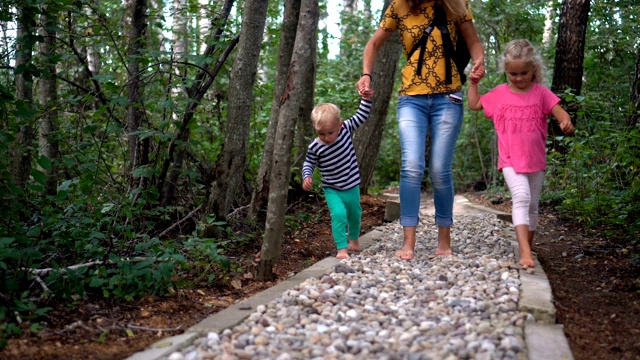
337, 162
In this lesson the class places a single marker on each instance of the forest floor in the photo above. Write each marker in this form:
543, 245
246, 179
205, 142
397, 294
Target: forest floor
596, 292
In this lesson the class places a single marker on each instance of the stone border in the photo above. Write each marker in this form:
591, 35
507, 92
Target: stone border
545, 339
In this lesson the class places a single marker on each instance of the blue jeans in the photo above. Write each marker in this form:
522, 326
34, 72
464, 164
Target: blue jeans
442, 116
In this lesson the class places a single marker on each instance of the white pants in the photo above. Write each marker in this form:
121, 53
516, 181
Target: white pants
525, 194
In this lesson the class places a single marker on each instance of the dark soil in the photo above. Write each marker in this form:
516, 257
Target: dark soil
97, 329
595, 286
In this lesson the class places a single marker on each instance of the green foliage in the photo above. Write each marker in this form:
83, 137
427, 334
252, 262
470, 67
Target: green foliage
598, 182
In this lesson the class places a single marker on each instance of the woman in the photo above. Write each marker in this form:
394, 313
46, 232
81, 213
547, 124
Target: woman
430, 101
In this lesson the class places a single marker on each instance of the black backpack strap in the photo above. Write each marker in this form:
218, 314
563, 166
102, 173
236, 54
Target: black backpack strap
447, 44
422, 45
440, 21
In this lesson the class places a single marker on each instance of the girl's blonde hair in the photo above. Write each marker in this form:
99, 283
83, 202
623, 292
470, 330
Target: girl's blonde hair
322, 114
523, 50
458, 8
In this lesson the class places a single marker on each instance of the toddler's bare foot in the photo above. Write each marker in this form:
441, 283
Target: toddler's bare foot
354, 246
342, 254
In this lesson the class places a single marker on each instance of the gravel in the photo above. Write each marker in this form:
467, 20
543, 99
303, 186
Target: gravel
374, 306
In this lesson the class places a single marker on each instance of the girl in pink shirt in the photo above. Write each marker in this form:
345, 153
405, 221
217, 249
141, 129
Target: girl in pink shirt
519, 111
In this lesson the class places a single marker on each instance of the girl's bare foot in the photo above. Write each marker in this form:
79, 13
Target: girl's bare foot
354, 246
526, 256
527, 261
342, 254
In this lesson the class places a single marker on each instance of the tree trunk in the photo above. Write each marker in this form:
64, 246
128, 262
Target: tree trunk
48, 100
229, 169
301, 63
368, 138
635, 96
285, 49
138, 151
568, 67
22, 153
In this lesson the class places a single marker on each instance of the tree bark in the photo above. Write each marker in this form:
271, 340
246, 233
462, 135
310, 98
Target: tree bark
48, 101
368, 138
568, 66
301, 63
285, 49
229, 169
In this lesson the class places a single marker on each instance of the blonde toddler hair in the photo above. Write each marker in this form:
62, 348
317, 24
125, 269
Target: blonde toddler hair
323, 114
524, 50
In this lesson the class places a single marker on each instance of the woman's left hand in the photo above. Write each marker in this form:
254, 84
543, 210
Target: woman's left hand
478, 71
363, 86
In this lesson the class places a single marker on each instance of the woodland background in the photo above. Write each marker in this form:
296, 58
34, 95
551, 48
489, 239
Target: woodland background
133, 133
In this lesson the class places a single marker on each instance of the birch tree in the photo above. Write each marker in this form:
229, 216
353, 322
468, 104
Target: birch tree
632, 120
48, 98
22, 153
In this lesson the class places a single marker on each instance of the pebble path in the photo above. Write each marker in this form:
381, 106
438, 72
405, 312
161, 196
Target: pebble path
374, 306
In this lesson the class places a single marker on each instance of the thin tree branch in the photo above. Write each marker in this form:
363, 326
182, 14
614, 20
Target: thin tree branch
181, 221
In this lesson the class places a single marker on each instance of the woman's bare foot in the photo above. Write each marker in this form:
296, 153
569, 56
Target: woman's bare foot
342, 254
443, 250
444, 241
405, 253
354, 246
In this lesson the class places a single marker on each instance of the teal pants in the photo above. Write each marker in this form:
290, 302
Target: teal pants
346, 214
